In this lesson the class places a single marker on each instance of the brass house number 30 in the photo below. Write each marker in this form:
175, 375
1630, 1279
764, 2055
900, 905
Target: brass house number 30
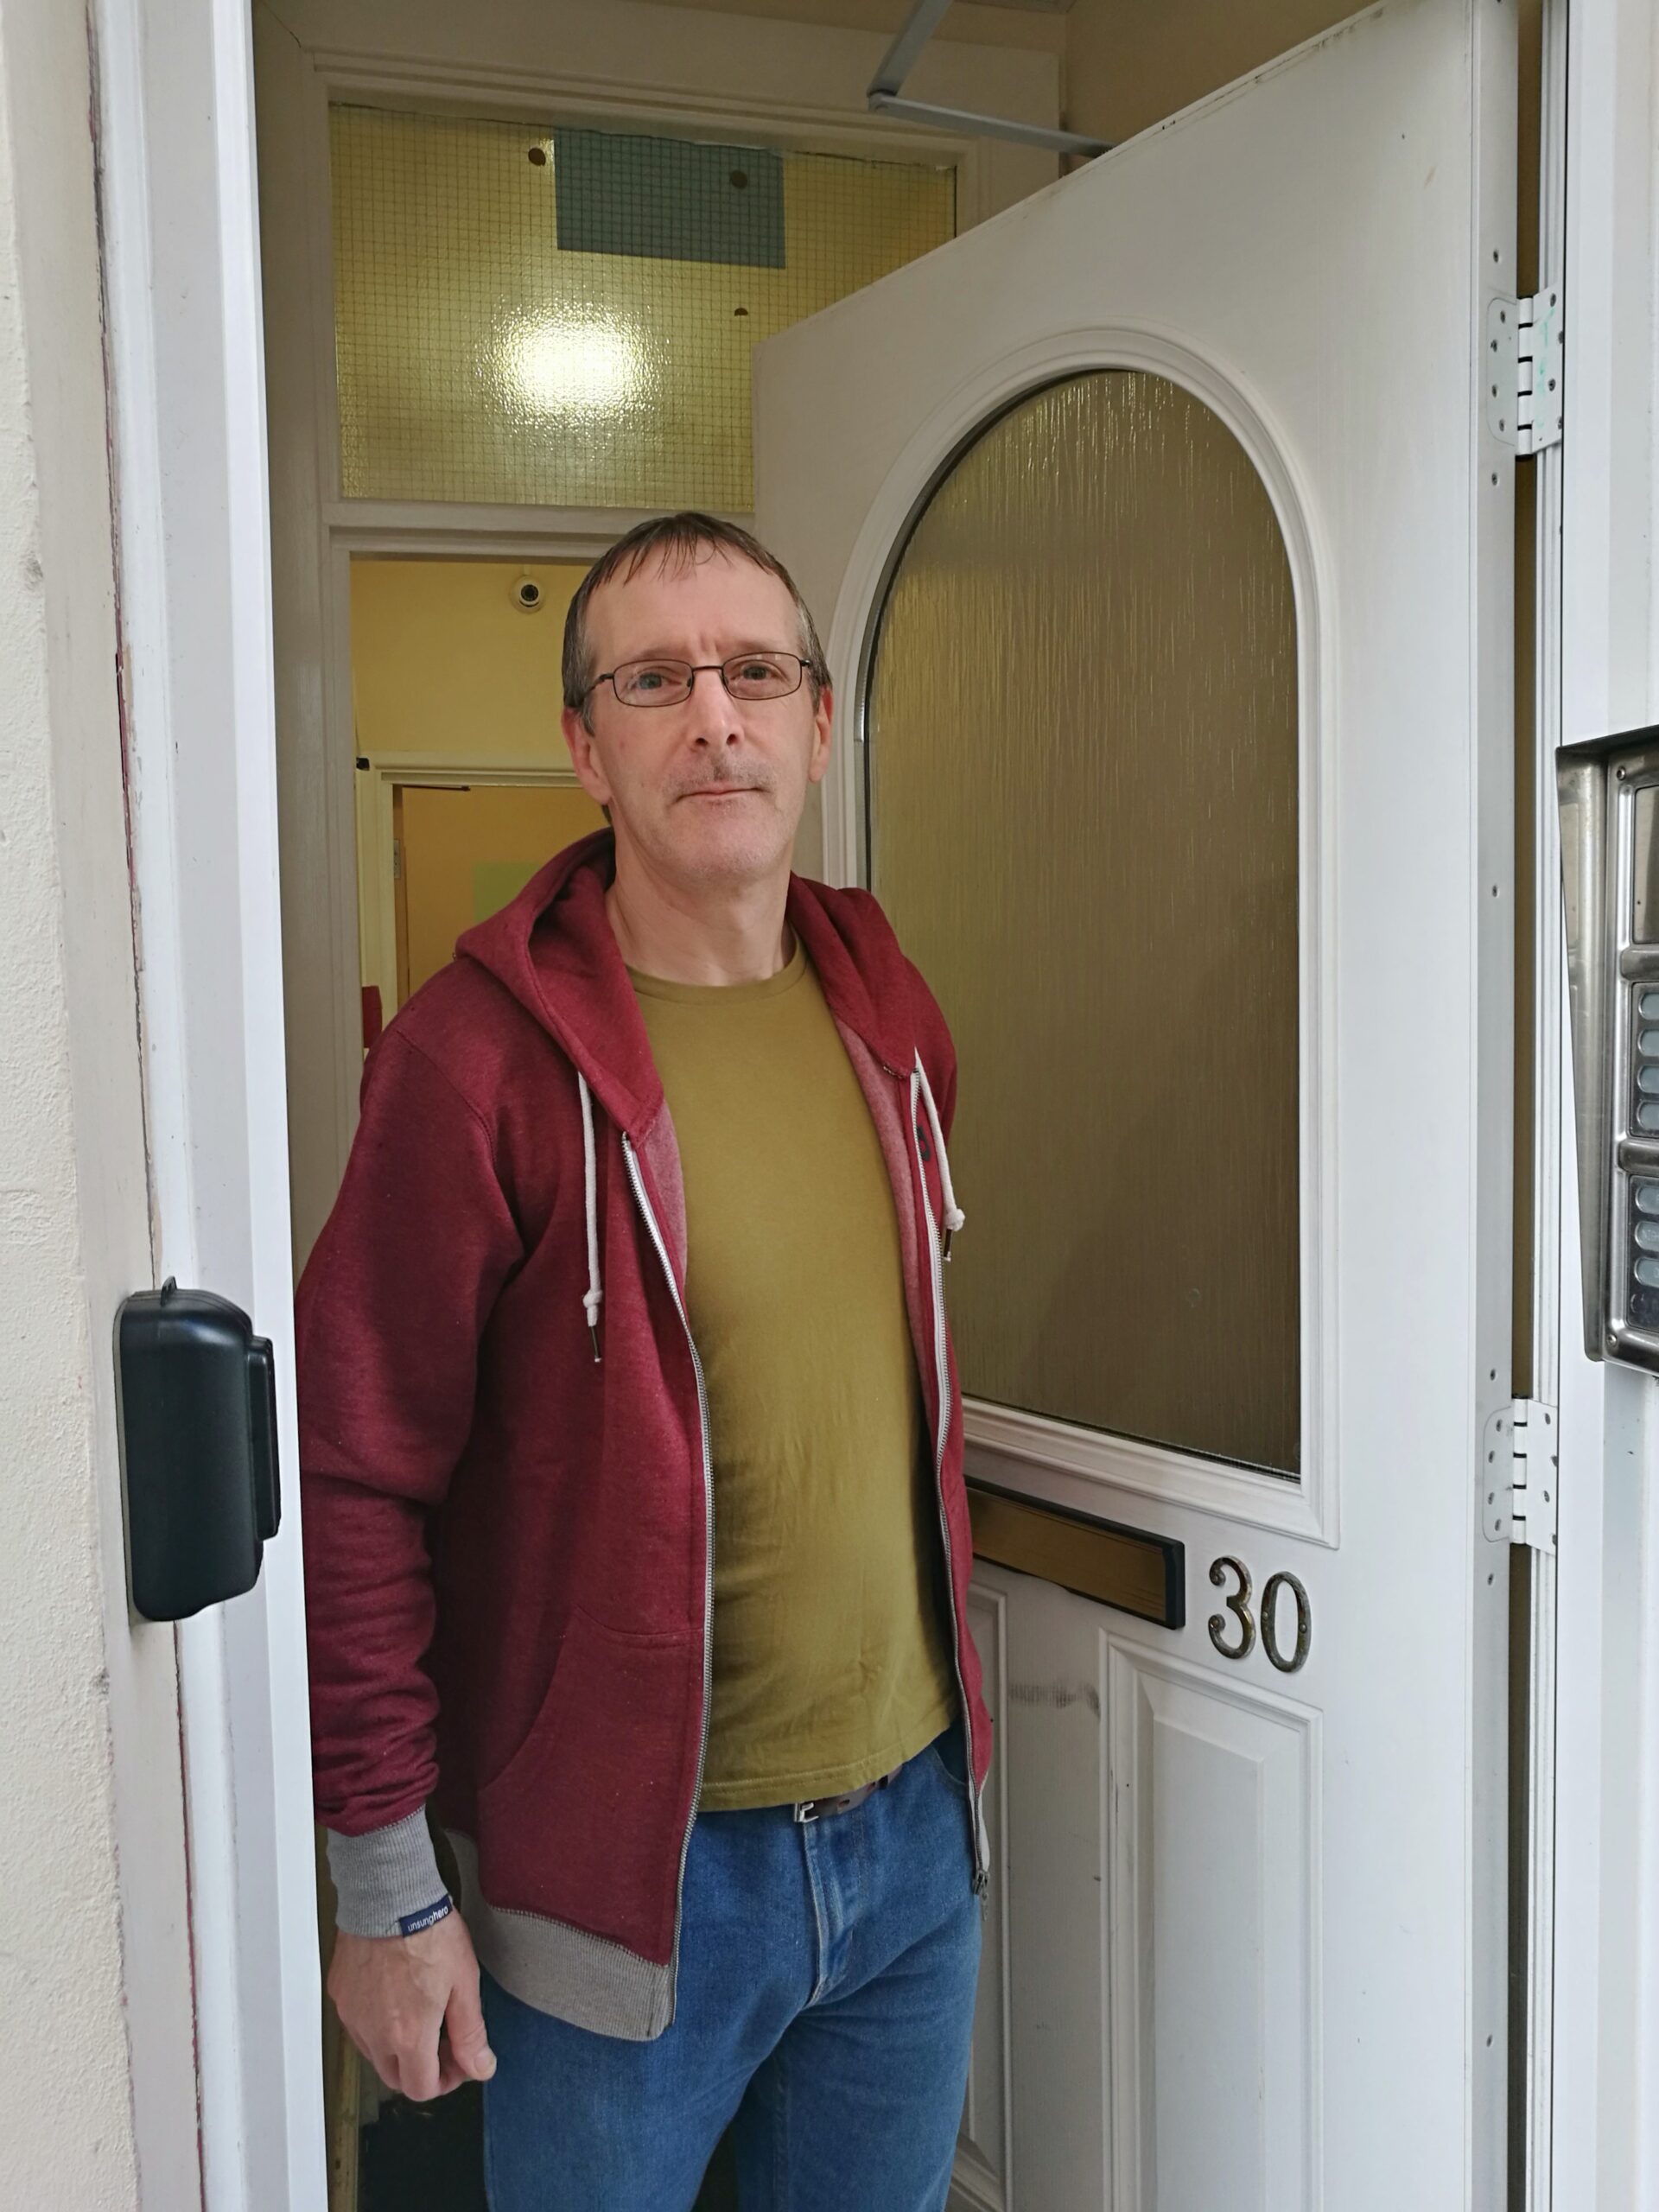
1237, 1602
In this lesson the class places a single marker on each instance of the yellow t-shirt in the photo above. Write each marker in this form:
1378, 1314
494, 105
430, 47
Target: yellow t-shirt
831, 1647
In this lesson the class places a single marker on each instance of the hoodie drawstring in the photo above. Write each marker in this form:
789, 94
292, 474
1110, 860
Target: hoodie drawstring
954, 1216
593, 1295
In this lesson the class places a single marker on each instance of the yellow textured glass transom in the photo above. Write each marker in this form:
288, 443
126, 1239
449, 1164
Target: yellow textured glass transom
489, 350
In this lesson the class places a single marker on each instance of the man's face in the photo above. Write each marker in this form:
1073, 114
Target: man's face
708, 792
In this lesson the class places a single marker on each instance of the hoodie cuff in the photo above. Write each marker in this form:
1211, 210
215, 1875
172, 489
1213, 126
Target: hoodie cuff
386, 1878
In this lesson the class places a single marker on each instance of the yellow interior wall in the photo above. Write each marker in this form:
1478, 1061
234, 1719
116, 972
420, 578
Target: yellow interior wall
1129, 63
446, 666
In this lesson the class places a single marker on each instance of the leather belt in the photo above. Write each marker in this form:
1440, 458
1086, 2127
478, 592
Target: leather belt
820, 1808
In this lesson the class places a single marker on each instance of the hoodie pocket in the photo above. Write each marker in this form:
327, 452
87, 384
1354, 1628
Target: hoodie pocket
584, 1822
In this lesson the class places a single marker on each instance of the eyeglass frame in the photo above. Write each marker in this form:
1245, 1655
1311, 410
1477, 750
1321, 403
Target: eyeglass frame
693, 670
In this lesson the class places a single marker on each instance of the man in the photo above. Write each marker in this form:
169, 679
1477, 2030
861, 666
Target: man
631, 1447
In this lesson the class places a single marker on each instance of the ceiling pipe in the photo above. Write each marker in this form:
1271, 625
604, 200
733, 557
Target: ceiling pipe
886, 87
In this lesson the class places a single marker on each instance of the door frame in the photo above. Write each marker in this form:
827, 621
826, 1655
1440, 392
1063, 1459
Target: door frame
1534, 1927
173, 126
1604, 2090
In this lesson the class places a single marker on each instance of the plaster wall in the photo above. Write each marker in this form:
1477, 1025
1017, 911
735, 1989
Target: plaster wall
97, 2093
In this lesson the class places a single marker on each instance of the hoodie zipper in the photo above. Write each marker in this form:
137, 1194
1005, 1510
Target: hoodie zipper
638, 1182
942, 1370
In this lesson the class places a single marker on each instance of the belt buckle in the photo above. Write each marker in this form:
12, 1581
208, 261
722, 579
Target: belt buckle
809, 1809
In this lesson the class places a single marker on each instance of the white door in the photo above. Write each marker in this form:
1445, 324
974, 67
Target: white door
1245, 1943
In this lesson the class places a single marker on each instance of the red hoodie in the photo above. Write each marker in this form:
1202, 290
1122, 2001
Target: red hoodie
508, 1542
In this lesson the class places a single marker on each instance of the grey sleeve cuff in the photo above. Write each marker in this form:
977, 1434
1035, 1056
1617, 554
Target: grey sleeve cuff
384, 1877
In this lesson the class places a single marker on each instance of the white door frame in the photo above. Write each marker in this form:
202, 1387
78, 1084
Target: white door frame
1606, 2091
679, 71
181, 279
1533, 2080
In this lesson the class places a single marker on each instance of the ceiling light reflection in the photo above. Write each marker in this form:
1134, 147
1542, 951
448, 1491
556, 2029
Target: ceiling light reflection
563, 365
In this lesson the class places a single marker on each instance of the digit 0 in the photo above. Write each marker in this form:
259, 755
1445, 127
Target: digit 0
1270, 1644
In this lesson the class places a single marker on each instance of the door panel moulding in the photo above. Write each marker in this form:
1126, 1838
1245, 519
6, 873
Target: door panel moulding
887, 88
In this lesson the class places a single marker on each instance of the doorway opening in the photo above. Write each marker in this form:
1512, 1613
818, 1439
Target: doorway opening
537, 330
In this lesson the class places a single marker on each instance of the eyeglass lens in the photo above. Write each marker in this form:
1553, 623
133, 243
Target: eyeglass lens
747, 676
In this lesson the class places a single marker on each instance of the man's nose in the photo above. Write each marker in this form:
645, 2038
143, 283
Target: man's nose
710, 709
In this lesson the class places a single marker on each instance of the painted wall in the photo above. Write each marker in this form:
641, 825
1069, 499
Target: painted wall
1129, 63
445, 661
92, 1936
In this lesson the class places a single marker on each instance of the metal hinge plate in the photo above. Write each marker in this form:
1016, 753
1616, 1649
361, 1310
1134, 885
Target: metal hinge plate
1524, 370
1519, 1475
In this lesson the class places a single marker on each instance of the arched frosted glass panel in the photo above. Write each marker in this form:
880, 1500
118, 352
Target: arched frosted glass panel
1083, 763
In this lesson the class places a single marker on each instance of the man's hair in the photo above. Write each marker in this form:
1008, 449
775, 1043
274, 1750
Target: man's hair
677, 542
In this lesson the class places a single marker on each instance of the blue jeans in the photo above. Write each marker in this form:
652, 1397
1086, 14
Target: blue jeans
825, 2001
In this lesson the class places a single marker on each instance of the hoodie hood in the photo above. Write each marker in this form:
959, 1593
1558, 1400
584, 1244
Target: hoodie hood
552, 947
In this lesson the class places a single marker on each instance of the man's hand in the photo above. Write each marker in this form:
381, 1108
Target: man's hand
409, 2003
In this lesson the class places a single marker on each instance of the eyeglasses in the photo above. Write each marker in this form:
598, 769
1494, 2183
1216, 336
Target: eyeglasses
662, 682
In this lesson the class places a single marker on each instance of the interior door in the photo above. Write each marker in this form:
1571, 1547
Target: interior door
1230, 949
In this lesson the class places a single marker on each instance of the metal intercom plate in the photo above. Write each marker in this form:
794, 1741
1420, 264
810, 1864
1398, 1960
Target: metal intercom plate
1609, 791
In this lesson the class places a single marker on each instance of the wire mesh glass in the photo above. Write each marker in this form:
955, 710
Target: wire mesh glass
1083, 757
564, 317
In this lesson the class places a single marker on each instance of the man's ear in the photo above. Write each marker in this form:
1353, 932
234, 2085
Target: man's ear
584, 757
823, 715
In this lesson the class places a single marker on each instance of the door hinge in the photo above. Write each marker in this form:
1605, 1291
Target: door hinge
1519, 1475
1524, 370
